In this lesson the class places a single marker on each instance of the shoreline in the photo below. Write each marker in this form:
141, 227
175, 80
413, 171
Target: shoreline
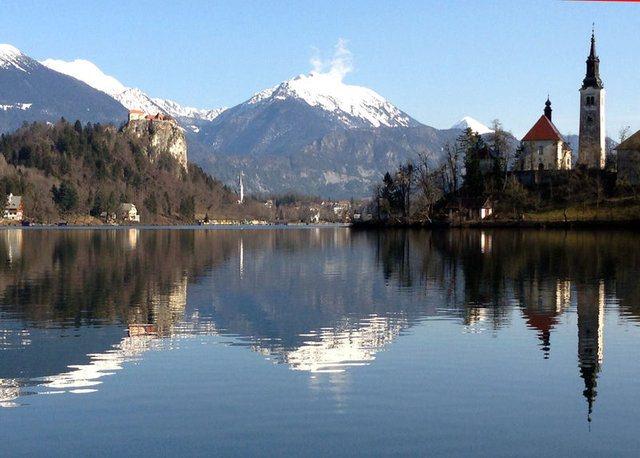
503, 224
42, 227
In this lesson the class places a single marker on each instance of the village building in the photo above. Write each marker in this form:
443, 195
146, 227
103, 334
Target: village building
591, 151
129, 213
13, 208
543, 147
628, 154
341, 207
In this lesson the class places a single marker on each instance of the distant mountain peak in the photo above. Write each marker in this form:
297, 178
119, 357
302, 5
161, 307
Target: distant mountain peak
131, 98
354, 106
474, 124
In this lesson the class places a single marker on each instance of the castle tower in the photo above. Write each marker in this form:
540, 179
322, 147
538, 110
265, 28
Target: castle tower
591, 152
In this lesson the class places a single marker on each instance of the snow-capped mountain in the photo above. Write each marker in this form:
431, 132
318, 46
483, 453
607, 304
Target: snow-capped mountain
313, 134
475, 125
131, 98
30, 92
354, 106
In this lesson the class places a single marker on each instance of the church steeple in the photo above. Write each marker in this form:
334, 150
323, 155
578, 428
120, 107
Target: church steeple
547, 108
592, 78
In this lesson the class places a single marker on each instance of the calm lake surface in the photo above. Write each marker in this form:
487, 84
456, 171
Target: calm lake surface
319, 341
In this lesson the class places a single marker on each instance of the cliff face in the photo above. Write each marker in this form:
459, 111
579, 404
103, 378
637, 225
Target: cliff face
163, 136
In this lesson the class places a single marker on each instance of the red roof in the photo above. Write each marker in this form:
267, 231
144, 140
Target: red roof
542, 130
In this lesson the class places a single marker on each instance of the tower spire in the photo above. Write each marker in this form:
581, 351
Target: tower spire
592, 78
547, 108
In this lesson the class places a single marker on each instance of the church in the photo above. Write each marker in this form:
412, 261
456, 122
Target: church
544, 148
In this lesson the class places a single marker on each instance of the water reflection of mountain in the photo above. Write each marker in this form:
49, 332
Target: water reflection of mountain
319, 300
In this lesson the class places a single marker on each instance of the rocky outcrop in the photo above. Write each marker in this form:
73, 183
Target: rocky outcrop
163, 136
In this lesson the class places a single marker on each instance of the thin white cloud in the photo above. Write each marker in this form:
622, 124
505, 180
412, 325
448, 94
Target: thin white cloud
340, 64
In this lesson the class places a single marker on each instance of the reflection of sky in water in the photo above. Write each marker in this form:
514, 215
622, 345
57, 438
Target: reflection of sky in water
326, 304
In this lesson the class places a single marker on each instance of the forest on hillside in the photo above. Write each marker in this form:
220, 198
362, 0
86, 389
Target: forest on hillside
71, 171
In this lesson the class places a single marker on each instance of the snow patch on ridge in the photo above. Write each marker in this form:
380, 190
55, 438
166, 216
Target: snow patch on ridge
16, 106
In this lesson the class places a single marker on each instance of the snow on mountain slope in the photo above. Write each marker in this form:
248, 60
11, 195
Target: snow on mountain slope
13, 57
131, 98
474, 124
355, 106
86, 72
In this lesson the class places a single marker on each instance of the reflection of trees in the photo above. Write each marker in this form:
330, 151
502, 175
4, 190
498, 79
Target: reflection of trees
76, 276
487, 273
314, 299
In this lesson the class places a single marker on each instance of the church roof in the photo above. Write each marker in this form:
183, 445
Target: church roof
631, 143
543, 130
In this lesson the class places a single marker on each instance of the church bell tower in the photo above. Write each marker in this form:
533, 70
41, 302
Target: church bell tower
591, 152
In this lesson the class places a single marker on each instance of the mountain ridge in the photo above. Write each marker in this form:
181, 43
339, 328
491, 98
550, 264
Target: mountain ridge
30, 91
131, 98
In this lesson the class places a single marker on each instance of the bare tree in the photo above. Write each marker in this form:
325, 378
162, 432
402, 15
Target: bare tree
453, 163
404, 183
431, 182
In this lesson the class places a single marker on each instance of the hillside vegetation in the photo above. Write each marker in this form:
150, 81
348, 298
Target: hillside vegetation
70, 171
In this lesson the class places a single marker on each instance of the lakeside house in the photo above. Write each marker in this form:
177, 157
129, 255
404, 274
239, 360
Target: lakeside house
128, 212
14, 209
469, 209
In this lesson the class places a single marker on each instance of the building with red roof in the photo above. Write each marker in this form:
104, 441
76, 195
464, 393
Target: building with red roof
543, 147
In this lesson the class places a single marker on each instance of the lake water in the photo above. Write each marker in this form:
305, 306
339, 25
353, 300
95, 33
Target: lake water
319, 341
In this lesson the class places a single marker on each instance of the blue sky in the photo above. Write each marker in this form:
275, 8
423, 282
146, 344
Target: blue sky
436, 60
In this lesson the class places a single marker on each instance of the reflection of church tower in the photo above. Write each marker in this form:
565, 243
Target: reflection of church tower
590, 338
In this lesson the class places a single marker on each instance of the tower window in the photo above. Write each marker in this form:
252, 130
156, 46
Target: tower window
590, 101
540, 150
589, 120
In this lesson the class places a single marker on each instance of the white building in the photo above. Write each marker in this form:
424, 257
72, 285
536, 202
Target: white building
13, 209
128, 212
